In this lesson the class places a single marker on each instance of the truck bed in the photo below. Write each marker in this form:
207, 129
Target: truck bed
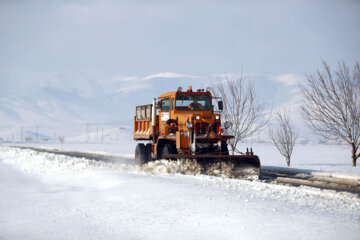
142, 123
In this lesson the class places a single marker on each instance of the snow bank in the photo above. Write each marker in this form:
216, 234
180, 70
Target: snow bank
301, 196
57, 167
310, 172
333, 159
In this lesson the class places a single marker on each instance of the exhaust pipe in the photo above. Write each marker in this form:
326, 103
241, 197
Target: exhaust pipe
153, 119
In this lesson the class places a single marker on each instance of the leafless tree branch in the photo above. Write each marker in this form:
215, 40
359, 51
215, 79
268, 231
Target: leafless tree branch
284, 136
242, 109
332, 105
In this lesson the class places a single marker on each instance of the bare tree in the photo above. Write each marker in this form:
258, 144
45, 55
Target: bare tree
242, 109
332, 105
284, 137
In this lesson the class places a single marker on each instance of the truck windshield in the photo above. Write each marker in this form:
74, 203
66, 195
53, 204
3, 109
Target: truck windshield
193, 102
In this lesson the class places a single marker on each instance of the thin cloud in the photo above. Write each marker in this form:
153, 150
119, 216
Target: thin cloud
288, 79
158, 75
168, 75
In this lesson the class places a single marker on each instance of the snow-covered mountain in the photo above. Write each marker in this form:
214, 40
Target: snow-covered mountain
68, 104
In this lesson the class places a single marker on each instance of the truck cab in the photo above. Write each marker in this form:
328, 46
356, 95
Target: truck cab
186, 125
186, 122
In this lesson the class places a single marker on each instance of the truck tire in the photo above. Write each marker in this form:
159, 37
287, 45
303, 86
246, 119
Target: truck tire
148, 152
224, 148
168, 149
140, 154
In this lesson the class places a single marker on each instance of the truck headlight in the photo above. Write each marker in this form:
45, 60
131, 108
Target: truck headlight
227, 125
217, 117
189, 125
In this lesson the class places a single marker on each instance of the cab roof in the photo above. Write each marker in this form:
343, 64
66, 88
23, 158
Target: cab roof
188, 92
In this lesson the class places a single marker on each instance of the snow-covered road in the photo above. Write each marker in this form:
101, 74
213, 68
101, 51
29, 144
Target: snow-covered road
47, 196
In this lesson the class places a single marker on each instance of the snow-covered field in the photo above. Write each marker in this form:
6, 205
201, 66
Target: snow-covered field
47, 196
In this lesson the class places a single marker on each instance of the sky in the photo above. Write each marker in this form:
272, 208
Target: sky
106, 48
140, 38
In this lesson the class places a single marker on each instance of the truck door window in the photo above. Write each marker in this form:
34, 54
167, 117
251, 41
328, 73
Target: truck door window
172, 103
165, 104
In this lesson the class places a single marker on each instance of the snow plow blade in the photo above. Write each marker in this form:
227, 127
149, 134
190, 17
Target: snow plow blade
233, 166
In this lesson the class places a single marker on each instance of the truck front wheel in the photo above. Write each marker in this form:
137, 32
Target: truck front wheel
140, 154
168, 149
224, 148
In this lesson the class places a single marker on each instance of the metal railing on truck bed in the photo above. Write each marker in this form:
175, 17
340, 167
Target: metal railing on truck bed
142, 122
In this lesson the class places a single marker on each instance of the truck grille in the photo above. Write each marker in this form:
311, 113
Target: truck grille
202, 128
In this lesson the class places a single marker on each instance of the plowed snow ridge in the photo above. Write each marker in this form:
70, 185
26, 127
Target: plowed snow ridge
57, 167
54, 167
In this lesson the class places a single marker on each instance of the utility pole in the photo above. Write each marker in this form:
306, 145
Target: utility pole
87, 133
21, 134
37, 133
102, 135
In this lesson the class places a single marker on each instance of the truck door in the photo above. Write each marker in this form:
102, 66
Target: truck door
165, 110
172, 108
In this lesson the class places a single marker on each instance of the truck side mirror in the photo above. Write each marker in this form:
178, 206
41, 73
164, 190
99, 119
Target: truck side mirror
158, 104
220, 105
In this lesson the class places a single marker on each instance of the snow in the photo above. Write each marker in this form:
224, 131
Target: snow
47, 196
52, 88
328, 158
317, 157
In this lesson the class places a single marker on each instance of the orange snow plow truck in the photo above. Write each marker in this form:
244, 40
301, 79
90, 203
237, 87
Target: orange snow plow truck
185, 125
